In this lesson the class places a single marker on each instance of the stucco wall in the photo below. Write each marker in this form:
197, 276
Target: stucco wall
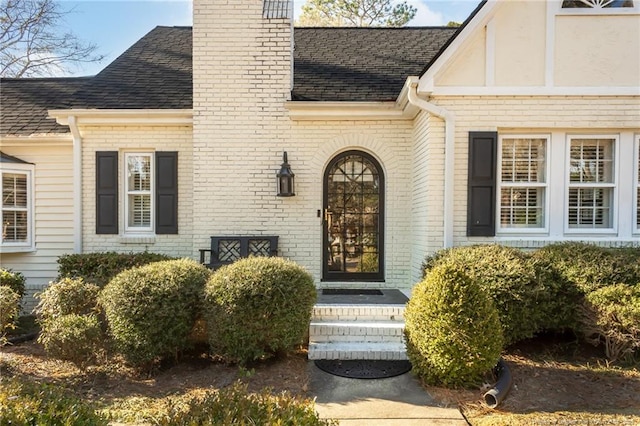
137, 139
53, 214
597, 50
537, 44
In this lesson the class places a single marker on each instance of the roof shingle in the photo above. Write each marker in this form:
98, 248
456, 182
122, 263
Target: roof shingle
330, 64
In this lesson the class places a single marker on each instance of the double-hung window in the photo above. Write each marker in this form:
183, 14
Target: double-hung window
523, 183
16, 208
592, 183
139, 205
136, 192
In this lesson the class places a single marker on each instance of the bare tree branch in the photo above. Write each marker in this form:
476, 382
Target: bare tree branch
356, 13
33, 43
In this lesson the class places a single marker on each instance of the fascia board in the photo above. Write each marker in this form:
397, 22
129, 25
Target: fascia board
84, 117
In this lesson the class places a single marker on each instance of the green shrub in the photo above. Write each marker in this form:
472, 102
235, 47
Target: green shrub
257, 307
67, 296
453, 334
590, 267
72, 337
44, 404
15, 281
611, 315
229, 406
151, 309
527, 298
99, 268
9, 309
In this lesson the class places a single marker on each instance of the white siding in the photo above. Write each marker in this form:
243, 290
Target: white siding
53, 183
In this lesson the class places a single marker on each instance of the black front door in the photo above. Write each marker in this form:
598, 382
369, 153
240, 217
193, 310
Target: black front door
353, 222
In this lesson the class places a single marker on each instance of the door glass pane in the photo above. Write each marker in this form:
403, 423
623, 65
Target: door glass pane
352, 216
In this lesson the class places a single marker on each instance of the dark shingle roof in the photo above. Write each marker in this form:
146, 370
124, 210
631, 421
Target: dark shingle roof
330, 64
24, 103
361, 64
153, 73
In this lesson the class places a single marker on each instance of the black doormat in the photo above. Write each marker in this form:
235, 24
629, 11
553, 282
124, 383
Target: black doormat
351, 291
363, 368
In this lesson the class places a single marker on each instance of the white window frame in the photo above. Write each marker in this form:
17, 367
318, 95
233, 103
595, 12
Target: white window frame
615, 185
544, 229
598, 10
29, 245
137, 230
636, 183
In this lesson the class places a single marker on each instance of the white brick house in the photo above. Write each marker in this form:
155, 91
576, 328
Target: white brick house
510, 129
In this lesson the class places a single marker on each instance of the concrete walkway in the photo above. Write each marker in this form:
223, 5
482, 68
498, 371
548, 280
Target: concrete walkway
397, 400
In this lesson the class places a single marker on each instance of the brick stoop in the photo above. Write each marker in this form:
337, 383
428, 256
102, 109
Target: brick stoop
358, 331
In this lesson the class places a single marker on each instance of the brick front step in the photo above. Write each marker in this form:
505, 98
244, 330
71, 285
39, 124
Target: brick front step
358, 313
351, 350
357, 331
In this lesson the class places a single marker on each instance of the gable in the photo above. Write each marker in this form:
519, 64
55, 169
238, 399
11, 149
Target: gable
537, 44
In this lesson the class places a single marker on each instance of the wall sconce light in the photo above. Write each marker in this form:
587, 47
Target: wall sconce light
285, 179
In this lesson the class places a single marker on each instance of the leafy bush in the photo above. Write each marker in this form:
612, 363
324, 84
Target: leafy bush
72, 337
99, 268
15, 281
590, 267
151, 309
67, 296
528, 299
229, 406
258, 306
9, 308
44, 404
611, 315
453, 334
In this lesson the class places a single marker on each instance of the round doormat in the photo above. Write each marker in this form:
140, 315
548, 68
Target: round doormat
363, 369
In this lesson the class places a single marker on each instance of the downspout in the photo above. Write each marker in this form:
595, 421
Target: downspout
77, 184
449, 155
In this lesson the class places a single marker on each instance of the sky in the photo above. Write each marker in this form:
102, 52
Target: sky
114, 25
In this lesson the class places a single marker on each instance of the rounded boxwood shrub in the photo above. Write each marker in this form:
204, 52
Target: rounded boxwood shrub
72, 337
590, 267
100, 267
9, 308
453, 334
67, 296
151, 309
611, 315
15, 281
258, 306
526, 304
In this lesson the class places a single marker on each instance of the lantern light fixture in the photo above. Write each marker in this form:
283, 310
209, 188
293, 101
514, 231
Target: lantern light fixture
285, 179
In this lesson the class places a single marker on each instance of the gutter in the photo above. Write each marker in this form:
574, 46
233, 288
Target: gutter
449, 154
77, 184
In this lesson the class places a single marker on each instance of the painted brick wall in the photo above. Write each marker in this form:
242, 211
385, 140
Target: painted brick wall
526, 114
428, 189
241, 81
137, 139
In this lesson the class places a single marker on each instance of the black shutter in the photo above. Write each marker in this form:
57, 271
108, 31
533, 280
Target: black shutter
166, 192
481, 195
106, 192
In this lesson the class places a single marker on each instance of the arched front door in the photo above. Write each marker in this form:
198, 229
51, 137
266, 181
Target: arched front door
353, 224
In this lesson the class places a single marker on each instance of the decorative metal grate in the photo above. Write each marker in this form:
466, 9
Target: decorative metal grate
228, 250
259, 248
